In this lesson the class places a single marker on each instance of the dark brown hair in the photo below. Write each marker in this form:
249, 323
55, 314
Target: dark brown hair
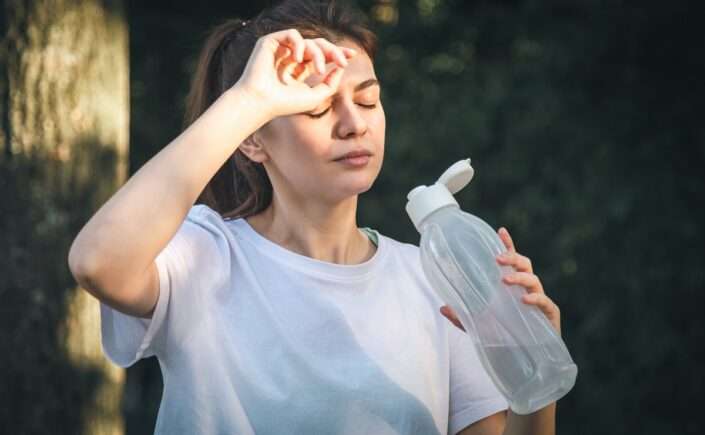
241, 187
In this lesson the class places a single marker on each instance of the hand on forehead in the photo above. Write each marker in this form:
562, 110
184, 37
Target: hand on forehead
359, 68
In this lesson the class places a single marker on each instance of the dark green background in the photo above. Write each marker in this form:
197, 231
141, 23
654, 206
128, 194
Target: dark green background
584, 124
583, 120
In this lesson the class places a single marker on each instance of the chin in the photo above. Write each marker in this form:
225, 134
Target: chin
352, 182
351, 189
361, 187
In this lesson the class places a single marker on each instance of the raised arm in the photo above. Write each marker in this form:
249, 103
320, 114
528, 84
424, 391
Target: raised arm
113, 255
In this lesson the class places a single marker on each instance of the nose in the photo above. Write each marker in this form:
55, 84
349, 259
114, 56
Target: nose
350, 121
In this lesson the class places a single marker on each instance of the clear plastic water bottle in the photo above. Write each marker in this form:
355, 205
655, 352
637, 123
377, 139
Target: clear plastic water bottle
520, 350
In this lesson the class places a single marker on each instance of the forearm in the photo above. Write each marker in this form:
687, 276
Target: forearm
541, 422
136, 223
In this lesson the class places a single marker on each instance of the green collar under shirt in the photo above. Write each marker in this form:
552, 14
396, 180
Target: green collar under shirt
371, 234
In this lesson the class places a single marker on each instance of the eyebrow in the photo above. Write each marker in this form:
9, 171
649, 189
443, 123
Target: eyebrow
366, 84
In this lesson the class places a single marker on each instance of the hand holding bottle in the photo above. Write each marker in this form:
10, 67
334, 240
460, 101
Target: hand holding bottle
525, 277
279, 64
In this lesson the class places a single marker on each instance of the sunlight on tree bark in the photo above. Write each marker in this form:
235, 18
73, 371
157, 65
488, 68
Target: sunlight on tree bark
66, 91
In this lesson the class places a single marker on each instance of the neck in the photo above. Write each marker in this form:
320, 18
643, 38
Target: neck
325, 232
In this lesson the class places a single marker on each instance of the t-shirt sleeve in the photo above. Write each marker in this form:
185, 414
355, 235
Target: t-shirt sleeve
195, 259
473, 395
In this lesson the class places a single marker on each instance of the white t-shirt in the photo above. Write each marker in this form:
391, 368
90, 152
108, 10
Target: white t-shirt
253, 338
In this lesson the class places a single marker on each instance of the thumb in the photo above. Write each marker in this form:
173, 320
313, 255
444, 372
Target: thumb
450, 315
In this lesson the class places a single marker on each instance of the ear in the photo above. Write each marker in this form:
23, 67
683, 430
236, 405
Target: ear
252, 147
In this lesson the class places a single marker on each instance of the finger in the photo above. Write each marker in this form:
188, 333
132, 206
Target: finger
293, 40
330, 82
506, 239
349, 52
448, 312
313, 52
300, 71
543, 302
304, 70
288, 70
547, 307
531, 282
516, 260
283, 54
450, 315
332, 51
333, 79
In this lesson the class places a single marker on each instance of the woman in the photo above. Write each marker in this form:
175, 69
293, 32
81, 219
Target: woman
268, 309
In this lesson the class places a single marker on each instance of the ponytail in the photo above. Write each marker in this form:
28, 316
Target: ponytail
240, 187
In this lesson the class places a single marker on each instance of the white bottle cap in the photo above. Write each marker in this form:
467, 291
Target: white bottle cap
424, 200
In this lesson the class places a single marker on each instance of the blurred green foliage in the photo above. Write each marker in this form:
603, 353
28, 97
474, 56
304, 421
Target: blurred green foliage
582, 120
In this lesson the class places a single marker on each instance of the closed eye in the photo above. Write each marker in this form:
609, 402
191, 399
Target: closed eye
320, 115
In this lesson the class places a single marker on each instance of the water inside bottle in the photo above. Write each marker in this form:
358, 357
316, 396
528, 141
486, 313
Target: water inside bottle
530, 386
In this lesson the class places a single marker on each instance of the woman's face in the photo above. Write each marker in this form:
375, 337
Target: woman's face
302, 150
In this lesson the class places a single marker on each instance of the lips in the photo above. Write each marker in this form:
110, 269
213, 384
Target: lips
356, 153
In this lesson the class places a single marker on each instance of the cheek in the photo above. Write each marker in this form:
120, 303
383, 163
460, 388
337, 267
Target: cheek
379, 119
378, 125
313, 139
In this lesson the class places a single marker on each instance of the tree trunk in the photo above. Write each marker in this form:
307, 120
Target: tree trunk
64, 113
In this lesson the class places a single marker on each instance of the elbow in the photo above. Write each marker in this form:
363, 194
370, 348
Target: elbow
97, 276
83, 267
